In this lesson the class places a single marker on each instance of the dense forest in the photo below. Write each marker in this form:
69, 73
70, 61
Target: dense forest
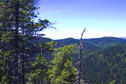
22, 59
105, 65
26, 57
103, 59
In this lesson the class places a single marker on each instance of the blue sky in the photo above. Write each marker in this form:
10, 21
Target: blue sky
100, 17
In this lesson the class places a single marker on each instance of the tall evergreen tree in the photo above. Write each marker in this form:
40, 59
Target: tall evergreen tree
17, 17
62, 71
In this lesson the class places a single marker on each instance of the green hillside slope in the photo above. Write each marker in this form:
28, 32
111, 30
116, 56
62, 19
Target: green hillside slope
104, 59
105, 65
93, 44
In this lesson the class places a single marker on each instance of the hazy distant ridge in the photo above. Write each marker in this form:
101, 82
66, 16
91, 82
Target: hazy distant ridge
94, 43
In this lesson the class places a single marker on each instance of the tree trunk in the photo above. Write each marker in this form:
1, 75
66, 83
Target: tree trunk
16, 75
80, 57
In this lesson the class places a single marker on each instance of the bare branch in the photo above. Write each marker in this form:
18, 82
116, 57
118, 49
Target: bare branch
80, 57
83, 32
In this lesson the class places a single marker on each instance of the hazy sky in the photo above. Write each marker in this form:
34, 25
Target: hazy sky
100, 17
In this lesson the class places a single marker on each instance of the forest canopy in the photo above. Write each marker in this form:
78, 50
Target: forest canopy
26, 57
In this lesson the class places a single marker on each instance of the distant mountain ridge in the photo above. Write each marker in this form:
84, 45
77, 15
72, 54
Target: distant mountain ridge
123, 37
94, 43
89, 44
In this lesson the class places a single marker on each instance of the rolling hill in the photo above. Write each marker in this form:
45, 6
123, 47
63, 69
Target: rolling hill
93, 44
105, 65
104, 59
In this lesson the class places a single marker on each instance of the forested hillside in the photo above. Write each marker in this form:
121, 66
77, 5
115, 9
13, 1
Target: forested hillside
103, 59
105, 65
93, 44
26, 57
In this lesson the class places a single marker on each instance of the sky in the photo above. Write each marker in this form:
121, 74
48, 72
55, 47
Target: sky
102, 18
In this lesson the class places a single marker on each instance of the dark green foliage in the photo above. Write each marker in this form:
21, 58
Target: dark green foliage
103, 59
103, 66
62, 71
5, 69
17, 26
102, 63
38, 73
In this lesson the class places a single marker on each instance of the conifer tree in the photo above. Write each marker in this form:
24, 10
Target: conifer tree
62, 71
40, 65
17, 17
